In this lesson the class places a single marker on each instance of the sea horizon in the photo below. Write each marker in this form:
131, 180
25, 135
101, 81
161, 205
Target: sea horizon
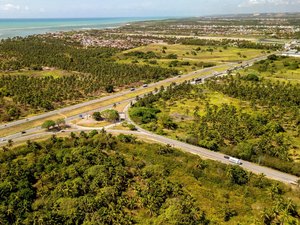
13, 27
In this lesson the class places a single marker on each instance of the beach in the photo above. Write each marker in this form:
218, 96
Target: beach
24, 27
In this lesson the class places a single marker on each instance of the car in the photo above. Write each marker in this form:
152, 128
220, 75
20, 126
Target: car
23, 132
145, 85
132, 89
226, 156
235, 160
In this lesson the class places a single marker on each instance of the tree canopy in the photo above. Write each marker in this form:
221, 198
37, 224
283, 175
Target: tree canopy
96, 178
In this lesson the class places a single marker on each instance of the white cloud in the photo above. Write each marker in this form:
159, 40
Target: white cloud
26, 8
9, 7
250, 3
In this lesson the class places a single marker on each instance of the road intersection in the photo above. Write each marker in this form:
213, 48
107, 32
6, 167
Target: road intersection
38, 133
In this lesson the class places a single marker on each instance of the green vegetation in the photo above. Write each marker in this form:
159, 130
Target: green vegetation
277, 68
186, 58
142, 55
50, 124
227, 42
97, 116
110, 115
259, 123
39, 74
94, 178
98, 73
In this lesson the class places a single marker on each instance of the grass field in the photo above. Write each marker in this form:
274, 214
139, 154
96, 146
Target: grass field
277, 71
189, 53
44, 73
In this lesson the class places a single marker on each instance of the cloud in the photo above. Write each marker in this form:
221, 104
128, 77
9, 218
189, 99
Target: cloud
9, 7
250, 3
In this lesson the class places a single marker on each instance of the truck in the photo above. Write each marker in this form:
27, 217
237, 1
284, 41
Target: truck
235, 160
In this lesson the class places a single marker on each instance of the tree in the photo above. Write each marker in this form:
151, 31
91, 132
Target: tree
167, 122
97, 116
83, 135
73, 135
110, 115
5, 149
60, 123
93, 133
10, 143
48, 124
237, 175
131, 127
109, 88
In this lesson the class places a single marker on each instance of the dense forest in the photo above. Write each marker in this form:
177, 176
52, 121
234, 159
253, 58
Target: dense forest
97, 72
265, 131
96, 178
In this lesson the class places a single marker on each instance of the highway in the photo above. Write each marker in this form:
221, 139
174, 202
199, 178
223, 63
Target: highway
110, 97
202, 152
38, 132
120, 94
216, 156
19, 136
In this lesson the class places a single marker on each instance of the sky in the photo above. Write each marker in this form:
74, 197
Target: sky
139, 8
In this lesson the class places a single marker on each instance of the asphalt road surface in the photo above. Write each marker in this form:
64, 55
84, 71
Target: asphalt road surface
119, 94
202, 152
216, 156
37, 132
110, 97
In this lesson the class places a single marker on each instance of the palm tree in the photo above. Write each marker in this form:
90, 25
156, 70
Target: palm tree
10, 143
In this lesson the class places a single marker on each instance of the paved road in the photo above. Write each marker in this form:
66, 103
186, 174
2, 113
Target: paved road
19, 136
216, 156
202, 152
31, 133
110, 97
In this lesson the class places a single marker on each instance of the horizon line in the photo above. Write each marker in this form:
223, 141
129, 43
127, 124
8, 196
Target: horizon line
137, 17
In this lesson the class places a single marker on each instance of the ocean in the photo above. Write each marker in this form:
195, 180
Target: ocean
25, 27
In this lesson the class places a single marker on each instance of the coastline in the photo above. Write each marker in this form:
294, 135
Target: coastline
10, 28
